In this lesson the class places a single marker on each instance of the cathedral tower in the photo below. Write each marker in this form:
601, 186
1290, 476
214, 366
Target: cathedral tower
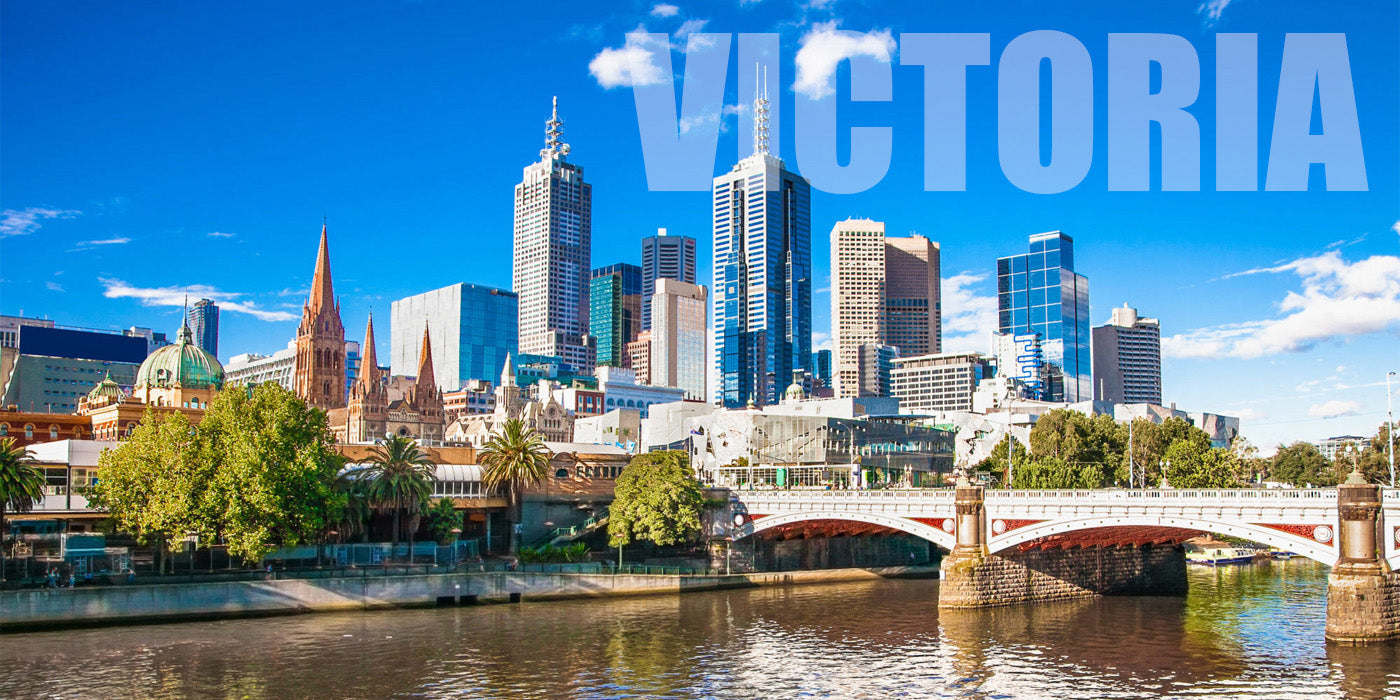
319, 373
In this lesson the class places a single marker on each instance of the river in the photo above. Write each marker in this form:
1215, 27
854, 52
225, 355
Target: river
1246, 631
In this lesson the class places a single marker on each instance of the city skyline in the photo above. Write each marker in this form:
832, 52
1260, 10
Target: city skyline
1280, 259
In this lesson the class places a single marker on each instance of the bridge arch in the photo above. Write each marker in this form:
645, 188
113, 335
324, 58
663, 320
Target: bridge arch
1293, 543
946, 540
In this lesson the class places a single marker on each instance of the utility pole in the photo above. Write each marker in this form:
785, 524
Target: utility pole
1130, 453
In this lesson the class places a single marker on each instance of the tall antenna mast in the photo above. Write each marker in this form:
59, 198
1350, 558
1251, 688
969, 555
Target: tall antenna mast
554, 145
760, 111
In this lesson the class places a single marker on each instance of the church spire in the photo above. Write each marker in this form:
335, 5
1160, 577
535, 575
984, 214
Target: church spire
426, 381
369, 365
322, 295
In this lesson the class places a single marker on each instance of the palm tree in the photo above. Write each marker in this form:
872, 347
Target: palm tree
21, 485
400, 478
514, 458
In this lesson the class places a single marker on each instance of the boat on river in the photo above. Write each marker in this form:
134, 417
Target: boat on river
1218, 553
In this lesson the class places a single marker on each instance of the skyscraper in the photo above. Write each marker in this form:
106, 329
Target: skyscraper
884, 294
1128, 358
615, 310
318, 377
913, 304
678, 337
203, 320
762, 284
1039, 292
821, 366
857, 302
664, 257
473, 330
552, 258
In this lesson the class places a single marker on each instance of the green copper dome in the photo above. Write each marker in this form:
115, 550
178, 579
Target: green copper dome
183, 365
107, 388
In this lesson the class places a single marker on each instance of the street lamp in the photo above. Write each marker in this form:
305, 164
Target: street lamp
1390, 427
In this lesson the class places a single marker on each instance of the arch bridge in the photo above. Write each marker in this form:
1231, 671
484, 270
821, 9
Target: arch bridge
1304, 521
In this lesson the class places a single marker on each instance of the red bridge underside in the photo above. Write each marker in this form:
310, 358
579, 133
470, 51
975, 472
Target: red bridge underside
1126, 536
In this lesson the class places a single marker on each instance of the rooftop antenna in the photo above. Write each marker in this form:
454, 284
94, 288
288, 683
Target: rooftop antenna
554, 145
760, 110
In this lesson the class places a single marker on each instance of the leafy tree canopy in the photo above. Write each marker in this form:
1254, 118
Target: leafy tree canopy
1301, 464
1055, 473
656, 498
1190, 466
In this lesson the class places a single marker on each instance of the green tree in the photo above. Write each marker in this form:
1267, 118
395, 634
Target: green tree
1083, 441
153, 483
399, 478
997, 462
1301, 464
656, 498
1375, 457
1055, 473
274, 471
444, 520
514, 458
21, 485
357, 505
1192, 467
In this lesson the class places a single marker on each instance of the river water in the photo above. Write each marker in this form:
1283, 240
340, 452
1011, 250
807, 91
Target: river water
1247, 631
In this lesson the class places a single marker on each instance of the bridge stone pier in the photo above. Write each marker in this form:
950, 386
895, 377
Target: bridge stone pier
1017, 546
1363, 594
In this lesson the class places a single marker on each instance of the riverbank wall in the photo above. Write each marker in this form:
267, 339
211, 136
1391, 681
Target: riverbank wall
976, 580
115, 605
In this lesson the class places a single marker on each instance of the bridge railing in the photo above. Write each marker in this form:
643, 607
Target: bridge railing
877, 495
1274, 495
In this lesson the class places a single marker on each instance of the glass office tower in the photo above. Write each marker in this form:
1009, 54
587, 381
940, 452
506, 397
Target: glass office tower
1039, 292
472, 326
615, 311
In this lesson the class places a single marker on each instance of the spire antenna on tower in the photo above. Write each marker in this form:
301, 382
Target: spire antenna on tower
760, 110
554, 145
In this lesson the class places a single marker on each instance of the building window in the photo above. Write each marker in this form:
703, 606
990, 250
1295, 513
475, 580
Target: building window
53, 432
29, 431
4, 429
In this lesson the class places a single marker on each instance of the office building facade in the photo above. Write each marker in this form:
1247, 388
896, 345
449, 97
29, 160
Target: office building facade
821, 367
913, 304
51, 368
678, 337
472, 329
664, 257
552, 253
1039, 292
203, 320
615, 310
926, 384
1128, 358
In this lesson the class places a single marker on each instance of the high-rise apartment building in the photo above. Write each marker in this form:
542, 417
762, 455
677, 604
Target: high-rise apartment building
884, 293
762, 275
678, 337
1018, 357
1039, 292
664, 257
615, 310
913, 295
1128, 358
553, 232
203, 320
472, 328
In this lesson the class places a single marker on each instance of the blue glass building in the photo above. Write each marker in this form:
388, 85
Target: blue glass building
472, 327
763, 281
1039, 292
615, 311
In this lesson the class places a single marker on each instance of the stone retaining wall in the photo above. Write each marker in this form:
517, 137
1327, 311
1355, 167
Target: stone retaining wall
974, 580
82, 607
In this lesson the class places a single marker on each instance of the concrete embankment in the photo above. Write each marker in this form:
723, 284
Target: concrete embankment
109, 605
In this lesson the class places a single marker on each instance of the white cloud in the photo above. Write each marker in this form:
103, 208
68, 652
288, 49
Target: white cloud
821, 341
1338, 300
969, 318
1334, 409
1395, 226
221, 234
631, 65
18, 222
1212, 9
178, 296
1250, 414
119, 240
53, 286
664, 10
824, 47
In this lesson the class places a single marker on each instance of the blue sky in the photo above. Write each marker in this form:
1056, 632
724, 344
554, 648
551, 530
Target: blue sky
150, 148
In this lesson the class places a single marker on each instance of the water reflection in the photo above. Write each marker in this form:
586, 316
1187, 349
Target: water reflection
1241, 631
